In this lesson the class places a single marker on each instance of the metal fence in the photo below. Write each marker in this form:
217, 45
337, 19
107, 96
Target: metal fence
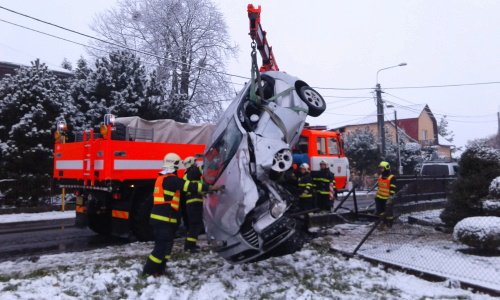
15, 196
417, 239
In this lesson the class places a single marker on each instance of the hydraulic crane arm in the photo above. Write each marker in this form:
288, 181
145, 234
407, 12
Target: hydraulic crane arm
259, 37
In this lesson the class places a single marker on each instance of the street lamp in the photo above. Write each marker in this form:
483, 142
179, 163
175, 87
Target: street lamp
380, 110
400, 167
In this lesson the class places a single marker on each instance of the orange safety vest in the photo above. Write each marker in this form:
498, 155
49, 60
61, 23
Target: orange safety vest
384, 187
159, 194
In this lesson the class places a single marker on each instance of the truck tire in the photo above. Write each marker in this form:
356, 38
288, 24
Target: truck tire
99, 212
141, 211
313, 100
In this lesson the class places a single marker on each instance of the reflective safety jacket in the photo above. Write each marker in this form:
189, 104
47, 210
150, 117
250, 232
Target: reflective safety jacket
322, 180
305, 186
193, 174
166, 197
386, 187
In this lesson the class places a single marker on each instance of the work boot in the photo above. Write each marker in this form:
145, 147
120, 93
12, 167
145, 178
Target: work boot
191, 247
153, 269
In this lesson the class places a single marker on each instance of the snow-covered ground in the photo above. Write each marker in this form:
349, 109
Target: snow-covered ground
421, 248
313, 273
27, 217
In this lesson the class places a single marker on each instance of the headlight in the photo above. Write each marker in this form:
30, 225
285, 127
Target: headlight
278, 209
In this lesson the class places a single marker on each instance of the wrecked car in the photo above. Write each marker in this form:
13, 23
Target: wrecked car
249, 153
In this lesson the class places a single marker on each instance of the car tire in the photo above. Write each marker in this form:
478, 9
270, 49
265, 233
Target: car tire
314, 101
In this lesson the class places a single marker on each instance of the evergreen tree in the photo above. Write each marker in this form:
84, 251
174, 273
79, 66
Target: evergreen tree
31, 103
362, 151
478, 166
444, 131
119, 85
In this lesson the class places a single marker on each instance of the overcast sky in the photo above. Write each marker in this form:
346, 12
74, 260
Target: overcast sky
330, 44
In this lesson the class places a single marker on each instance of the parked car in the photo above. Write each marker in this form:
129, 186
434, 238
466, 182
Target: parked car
250, 153
439, 169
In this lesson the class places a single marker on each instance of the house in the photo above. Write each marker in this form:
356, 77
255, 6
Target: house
10, 68
417, 123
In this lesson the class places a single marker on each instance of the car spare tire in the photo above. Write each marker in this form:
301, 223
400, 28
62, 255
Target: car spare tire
313, 100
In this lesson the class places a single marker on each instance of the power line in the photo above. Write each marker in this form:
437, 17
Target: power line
213, 71
88, 46
433, 112
109, 43
350, 104
453, 119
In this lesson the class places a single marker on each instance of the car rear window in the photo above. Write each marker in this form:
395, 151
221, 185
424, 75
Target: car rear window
435, 170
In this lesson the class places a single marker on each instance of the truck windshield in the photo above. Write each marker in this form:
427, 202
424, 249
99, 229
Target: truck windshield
220, 153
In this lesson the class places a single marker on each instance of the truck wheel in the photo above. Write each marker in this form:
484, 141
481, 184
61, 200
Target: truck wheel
140, 217
99, 213
313, 100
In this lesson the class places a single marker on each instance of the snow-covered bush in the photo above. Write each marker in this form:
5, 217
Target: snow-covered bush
478, 166
495, 188
479, 232
32, 100
491, 203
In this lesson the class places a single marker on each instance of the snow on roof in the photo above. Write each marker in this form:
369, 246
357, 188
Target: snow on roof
443, 142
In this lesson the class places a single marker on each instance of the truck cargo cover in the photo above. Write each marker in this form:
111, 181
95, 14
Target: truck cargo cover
170, 131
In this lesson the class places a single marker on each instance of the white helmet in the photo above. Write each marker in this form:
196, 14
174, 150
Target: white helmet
305, 166
172, 161
189, 161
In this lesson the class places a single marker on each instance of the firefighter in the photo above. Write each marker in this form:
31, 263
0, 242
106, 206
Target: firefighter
305, 188
385, 193
193, 203
165, 212
324, 183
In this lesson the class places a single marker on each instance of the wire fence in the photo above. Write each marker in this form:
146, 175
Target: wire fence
18, 196
418, 240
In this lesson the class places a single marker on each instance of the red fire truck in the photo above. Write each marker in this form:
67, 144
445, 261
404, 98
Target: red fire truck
112, 170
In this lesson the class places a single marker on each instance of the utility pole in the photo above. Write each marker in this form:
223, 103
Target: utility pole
380, 111
380, 120
400, 167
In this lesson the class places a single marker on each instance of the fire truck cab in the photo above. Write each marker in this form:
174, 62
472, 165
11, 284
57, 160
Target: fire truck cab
316, 143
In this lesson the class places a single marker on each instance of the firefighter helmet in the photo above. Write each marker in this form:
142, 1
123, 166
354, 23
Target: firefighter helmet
385, 165
172, 161
189, 161
304, 166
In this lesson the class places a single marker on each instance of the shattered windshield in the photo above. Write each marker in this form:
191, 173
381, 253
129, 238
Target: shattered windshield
220, 153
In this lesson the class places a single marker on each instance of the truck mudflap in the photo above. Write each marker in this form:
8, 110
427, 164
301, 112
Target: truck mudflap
81, 218
120, 223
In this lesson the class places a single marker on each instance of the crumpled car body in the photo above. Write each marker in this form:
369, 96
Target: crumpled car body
249, 152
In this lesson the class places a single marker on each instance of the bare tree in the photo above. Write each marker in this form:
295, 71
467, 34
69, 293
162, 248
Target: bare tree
189, 43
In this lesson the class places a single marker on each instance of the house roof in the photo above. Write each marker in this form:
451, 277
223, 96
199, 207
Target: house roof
9, 68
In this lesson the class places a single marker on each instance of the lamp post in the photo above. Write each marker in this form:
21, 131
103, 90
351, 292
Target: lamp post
398, 155
380, 110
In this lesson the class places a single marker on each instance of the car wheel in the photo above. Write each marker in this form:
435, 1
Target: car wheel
282, 160
313, 100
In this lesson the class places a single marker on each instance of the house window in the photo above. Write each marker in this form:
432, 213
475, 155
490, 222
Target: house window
424, 135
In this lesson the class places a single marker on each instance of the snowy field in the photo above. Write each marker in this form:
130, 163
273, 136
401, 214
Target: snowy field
420, 248
313, 273
27, 217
